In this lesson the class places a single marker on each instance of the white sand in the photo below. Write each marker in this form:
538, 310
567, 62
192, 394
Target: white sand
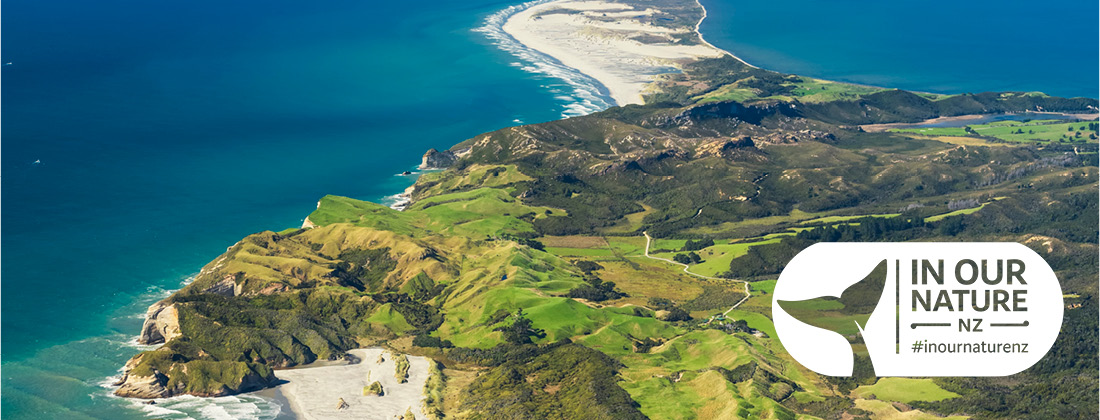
605, 50
314, 392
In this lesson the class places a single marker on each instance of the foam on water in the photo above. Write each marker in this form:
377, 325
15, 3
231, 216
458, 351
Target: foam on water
583, 94
198, 154
242, 407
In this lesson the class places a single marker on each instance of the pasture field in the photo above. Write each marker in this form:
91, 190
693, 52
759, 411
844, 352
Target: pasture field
904, 390
716, 259
1045, 131
1012, 131
834, 219
886, 411
939, 217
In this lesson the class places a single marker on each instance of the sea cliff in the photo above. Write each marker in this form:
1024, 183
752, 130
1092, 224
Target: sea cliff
525, 264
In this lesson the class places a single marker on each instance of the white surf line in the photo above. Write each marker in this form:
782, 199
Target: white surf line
748, 291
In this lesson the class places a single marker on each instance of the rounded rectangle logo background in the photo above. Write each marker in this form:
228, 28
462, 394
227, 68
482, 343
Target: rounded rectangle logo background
938, 313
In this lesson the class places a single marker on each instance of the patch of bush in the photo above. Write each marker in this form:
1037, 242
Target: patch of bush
425, 340
373, 389
595, 290
691, 245
401, 368
556, 382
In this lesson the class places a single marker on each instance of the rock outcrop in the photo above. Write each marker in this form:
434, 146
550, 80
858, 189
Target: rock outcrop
434, 159
160, 377
153, 385
228, 287
161, 324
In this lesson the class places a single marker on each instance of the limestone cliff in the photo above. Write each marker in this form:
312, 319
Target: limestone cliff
280, 300
161, 324
434, 159
201, 378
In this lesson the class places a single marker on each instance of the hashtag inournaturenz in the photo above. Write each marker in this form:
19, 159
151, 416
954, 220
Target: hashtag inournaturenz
917, 347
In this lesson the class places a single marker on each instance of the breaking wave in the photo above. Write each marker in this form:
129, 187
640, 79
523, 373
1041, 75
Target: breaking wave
582, 94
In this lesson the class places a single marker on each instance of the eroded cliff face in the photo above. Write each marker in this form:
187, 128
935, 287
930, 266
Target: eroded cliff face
434, 159
280, 300
152, 385
161, 324
168, 371
199, 378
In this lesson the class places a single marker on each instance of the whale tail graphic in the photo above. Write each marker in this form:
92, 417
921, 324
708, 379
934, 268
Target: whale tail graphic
846, 315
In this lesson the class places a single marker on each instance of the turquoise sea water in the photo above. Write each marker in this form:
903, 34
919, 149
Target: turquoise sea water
142, 138
165, 132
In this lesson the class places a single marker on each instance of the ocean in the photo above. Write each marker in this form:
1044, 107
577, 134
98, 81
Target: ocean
937, 46
140, 139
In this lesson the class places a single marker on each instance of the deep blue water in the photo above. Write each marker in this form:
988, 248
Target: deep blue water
165, 131
940, 46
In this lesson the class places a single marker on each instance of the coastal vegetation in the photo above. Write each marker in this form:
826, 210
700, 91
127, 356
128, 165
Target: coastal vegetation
521, 268
434, 391
488, 276
401, 368
374, 388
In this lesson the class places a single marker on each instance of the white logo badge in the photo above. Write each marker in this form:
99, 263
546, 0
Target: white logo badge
918, 309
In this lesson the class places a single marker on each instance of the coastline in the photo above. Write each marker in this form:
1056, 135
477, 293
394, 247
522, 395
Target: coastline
698, 31
576, 34
275, 395
584, 94
295, 401
403, 198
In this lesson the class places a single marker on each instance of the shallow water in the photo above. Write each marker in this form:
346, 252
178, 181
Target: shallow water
143, 138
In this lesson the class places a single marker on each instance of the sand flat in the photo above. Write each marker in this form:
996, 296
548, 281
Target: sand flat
314, 392
600, 39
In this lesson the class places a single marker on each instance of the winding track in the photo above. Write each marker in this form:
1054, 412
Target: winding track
748, 291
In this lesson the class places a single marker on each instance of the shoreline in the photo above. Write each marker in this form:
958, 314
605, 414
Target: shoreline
279, 394
286, 409
699, 31
580, 51
577, 34
587, 94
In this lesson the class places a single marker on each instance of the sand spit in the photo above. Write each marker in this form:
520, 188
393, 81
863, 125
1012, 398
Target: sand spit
602, 40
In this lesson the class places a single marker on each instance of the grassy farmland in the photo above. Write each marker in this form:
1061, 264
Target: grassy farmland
1047, 131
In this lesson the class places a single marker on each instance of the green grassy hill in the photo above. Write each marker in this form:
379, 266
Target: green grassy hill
521, 268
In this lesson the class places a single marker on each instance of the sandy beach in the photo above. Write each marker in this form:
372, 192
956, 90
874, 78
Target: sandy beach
601, 40
314, 393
